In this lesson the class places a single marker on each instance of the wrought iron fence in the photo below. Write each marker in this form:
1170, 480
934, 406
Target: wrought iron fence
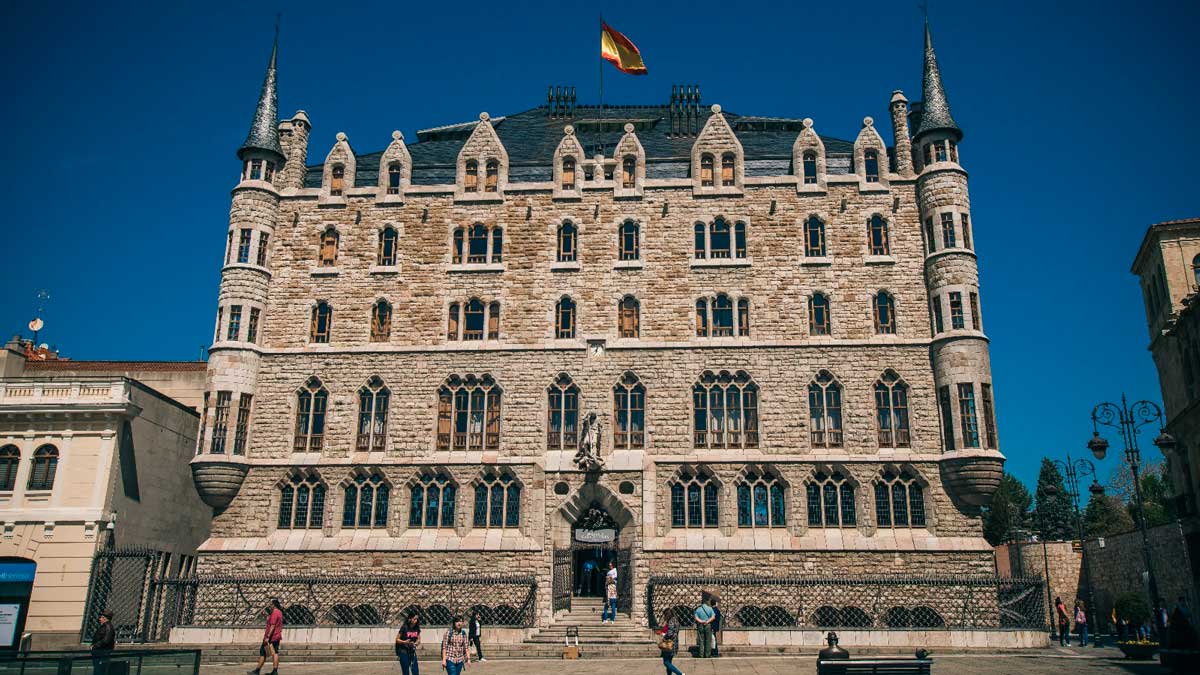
924, 603
120, 581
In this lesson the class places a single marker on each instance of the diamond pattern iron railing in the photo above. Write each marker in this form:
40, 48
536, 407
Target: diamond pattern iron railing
121, 581
921, 603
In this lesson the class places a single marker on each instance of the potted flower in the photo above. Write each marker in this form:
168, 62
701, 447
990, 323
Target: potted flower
1134, 612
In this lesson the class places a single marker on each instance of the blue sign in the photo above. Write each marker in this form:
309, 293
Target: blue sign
17, 571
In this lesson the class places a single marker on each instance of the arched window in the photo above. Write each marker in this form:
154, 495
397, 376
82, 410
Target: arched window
493, 176
453, 322
743, 317
469, 413
312, 400
568, 173
433, 500
322, 323
694, 499
629, 172
473, 320
497, 501
393, 173
720, 241
725, 411
722, 316
10, 459
627, 241
899, 500
43, 468
629, 413
387, 247
727, 161
939, 151
702, 317
302, 502
948, 238
381, 321
825, 410
568, 242
1196, 272
706, 170
365, 502
819, 320
562, 427
739, 239
497, 245
700, 250
968, 421
493, 320
830, 500
760, 500
628, 317
877, 235
891, 410
564, 319
471, 176
883, 307
477, 244
329, 247
338, 183
871, 165
814, 237
810, 168
372, 416
456, 247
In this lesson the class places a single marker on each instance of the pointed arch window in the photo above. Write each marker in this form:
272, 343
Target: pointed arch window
810, 168
830, 498
695, 497
814, 237
381, 321
706, 170
629, 172
568, 242
720, 239
739, 239
899, 500
891, 411
365, 501
564, 319
825, 410
322, 323
877, 235
883, 308
743, 317
312, 400
568, 173
871, 165
302, 503
725, 410
493, 320
563, 411
700, 251
469, 414
10, 460
722, 316
702, 317
629, 413
473, 320
373, 401
628, 317
471, 176
493, 176
497, 501
627, 241
387, 247
393, 174
819, 321
477, 244
433, 498
43, 468
337, 183
329, 247
727, 162
760, 500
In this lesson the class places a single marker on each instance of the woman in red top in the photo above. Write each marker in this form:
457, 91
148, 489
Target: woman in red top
271, 638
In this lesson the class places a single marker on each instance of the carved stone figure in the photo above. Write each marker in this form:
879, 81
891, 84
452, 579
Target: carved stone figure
588, 456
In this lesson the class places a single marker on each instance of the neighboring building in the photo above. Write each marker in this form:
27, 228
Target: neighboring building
91, 459
1168, 264
779, 334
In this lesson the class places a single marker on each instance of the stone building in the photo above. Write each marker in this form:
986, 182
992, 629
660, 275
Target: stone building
772, 338
1168, 265
92, 459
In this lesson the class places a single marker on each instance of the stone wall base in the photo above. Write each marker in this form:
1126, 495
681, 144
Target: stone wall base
330, 635
850, 637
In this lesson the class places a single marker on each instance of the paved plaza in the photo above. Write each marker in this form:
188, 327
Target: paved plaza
1041, 662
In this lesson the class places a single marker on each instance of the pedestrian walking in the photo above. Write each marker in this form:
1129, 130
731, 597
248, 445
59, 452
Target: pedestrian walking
668, 643
272, 635
1081, 623
456, 648
1064, 623
717, 623
475, 631
609, 615
104, 640
408, 638
704, 617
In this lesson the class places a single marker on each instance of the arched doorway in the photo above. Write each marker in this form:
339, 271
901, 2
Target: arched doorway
595, 530
593, 552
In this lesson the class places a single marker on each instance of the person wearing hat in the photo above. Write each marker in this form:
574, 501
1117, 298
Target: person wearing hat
104, 640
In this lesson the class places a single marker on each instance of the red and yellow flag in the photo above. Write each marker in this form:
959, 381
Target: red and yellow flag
619, 51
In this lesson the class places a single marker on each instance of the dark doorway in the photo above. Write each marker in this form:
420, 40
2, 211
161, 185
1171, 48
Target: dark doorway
590, 567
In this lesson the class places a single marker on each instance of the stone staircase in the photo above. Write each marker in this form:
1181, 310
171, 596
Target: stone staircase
623, 638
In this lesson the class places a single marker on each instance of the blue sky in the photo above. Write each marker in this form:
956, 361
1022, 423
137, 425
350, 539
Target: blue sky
123, 120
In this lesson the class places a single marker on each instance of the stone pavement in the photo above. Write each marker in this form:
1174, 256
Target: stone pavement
1054, 661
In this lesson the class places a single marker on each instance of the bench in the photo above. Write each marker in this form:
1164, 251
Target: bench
904, 666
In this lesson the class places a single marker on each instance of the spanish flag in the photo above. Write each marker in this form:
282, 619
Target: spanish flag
618, 50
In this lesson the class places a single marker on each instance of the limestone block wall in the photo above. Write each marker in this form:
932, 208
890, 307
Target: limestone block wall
1025, 559
1118, 566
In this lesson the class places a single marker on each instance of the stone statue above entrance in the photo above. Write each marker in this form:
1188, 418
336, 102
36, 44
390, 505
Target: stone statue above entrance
588, 457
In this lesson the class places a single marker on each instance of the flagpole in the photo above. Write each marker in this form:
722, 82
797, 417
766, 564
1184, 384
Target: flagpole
601, 138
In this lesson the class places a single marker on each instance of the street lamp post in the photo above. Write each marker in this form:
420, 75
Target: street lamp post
1128, 419
1072, 470
1046, 564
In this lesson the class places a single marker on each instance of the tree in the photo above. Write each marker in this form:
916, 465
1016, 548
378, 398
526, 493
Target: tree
1156, 491
1054, 511
1009, 510
1106, 516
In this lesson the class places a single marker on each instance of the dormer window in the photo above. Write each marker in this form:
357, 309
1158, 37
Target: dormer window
337, 183
493, 176
255, 169
706, 171
568, 173
629, 172
871, 165
939, 151
471, 177
727, 170
810, 168
393, 184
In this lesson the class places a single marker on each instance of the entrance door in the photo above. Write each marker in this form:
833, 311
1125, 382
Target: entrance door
591, 569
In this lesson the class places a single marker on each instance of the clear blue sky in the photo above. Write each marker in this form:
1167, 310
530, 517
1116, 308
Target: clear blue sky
1079, 119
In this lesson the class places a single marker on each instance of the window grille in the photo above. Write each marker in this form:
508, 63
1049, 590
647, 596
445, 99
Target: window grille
825, 410
629, 402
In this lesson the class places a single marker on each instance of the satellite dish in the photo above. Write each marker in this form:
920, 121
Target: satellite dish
36, 324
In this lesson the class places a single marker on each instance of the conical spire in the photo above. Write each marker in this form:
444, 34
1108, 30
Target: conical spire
935, 109
264, 131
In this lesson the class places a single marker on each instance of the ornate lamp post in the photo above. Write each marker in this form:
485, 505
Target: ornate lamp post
1041, 532
1072, 470
1128, 419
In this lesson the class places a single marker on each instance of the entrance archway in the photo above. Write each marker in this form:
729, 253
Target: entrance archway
594, 549
595, 529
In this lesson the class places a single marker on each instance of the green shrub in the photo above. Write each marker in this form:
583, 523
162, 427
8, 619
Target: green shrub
1132, 606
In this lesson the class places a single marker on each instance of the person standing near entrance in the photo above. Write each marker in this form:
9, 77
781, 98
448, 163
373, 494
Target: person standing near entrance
585, 582
612, 572
104, 640
272, 636
456, 648
1081, 623
475, 631
407, 640
704, 618
609, 615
